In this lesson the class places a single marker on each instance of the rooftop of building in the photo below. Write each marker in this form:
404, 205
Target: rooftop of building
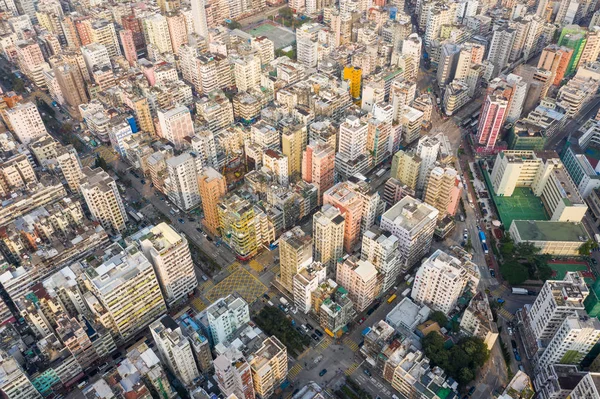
161, 237
538, 230
410, 213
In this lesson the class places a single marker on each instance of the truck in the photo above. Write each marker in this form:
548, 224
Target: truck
284, 301
365, 331
380, 173
519, 291
485, 248
406, 292
410, 280
597, 238
482, 236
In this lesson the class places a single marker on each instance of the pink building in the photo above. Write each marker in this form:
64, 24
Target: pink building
350, 204
491, 120
128, 46
318, 164
177, 31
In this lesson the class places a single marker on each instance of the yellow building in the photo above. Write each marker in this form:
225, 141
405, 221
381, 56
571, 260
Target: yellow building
354, 75
269, 367
405, 167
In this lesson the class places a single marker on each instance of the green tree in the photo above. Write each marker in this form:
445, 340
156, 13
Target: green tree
587, 247
286, 13
465, 375
514, 272
18, 85
234, 25
100, 163
468, 245
439, 317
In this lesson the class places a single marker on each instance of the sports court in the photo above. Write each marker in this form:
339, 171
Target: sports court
561, 269
240, 281
522, 205
280, 36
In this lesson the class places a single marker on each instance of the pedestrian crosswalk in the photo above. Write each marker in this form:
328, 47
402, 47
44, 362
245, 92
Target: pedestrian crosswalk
289, 395
350, 344
207, 285
294, 371
351, 369
198, 304
500, 291
324, 344
329, 392
506, 314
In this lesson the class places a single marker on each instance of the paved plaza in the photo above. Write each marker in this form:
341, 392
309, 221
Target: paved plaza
240, 281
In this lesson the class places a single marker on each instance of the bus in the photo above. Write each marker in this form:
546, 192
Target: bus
391, 299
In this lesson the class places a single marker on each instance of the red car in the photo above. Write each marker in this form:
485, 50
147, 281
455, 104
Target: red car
362, 320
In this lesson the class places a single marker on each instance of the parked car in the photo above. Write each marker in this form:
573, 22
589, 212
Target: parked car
471, 390
180, 220
299, 329
310, 327
322, 372
315, 337
204, 278
319, 333
492, 273
513, 343
199, 230
362, 320
267, 297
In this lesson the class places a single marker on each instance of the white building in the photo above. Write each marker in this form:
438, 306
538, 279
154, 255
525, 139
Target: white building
351, 157
360, 278
103, 199
14, 383
328, 237
225, 316
117, 133
174, 349
427, 149
26, 122
182, 181
413, 223
305, 282
381, 249
557, 300
572, 341
170, 255
442, 279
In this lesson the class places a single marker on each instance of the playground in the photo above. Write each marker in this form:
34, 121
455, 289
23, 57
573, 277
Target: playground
522, 205
279, 35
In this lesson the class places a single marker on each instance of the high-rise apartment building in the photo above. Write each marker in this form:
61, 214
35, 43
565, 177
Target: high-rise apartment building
555, 59
200, 24
233, 375
70, 166
169, 253
306, 281
413, 222
26, 122
156, 31
557, 300
500, 48
361, 280
293, 144
381, 249
174, 349
71, 84
213, 187
428, 150
442, 279
103, 31
295, 252
103, 199
14, 383
405, 167
176, 124
491, 121
182, 181
442, 190
225, 316
351, 157
269, 367
125, 291
328, 237
573, 340
318, 166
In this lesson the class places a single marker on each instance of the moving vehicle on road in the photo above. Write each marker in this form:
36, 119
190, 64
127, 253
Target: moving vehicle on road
391, 299
322, 372
367, 372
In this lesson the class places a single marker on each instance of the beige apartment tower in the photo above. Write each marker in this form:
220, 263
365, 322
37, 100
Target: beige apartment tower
213, 187
103, 199
295, 251
328, 237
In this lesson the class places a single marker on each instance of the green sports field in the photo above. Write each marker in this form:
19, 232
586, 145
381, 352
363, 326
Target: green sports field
561, 269
522, 205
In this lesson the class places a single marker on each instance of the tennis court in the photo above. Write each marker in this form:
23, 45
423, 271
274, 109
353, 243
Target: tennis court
522, 205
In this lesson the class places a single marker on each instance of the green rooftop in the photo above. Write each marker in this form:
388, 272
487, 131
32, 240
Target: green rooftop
537, 230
